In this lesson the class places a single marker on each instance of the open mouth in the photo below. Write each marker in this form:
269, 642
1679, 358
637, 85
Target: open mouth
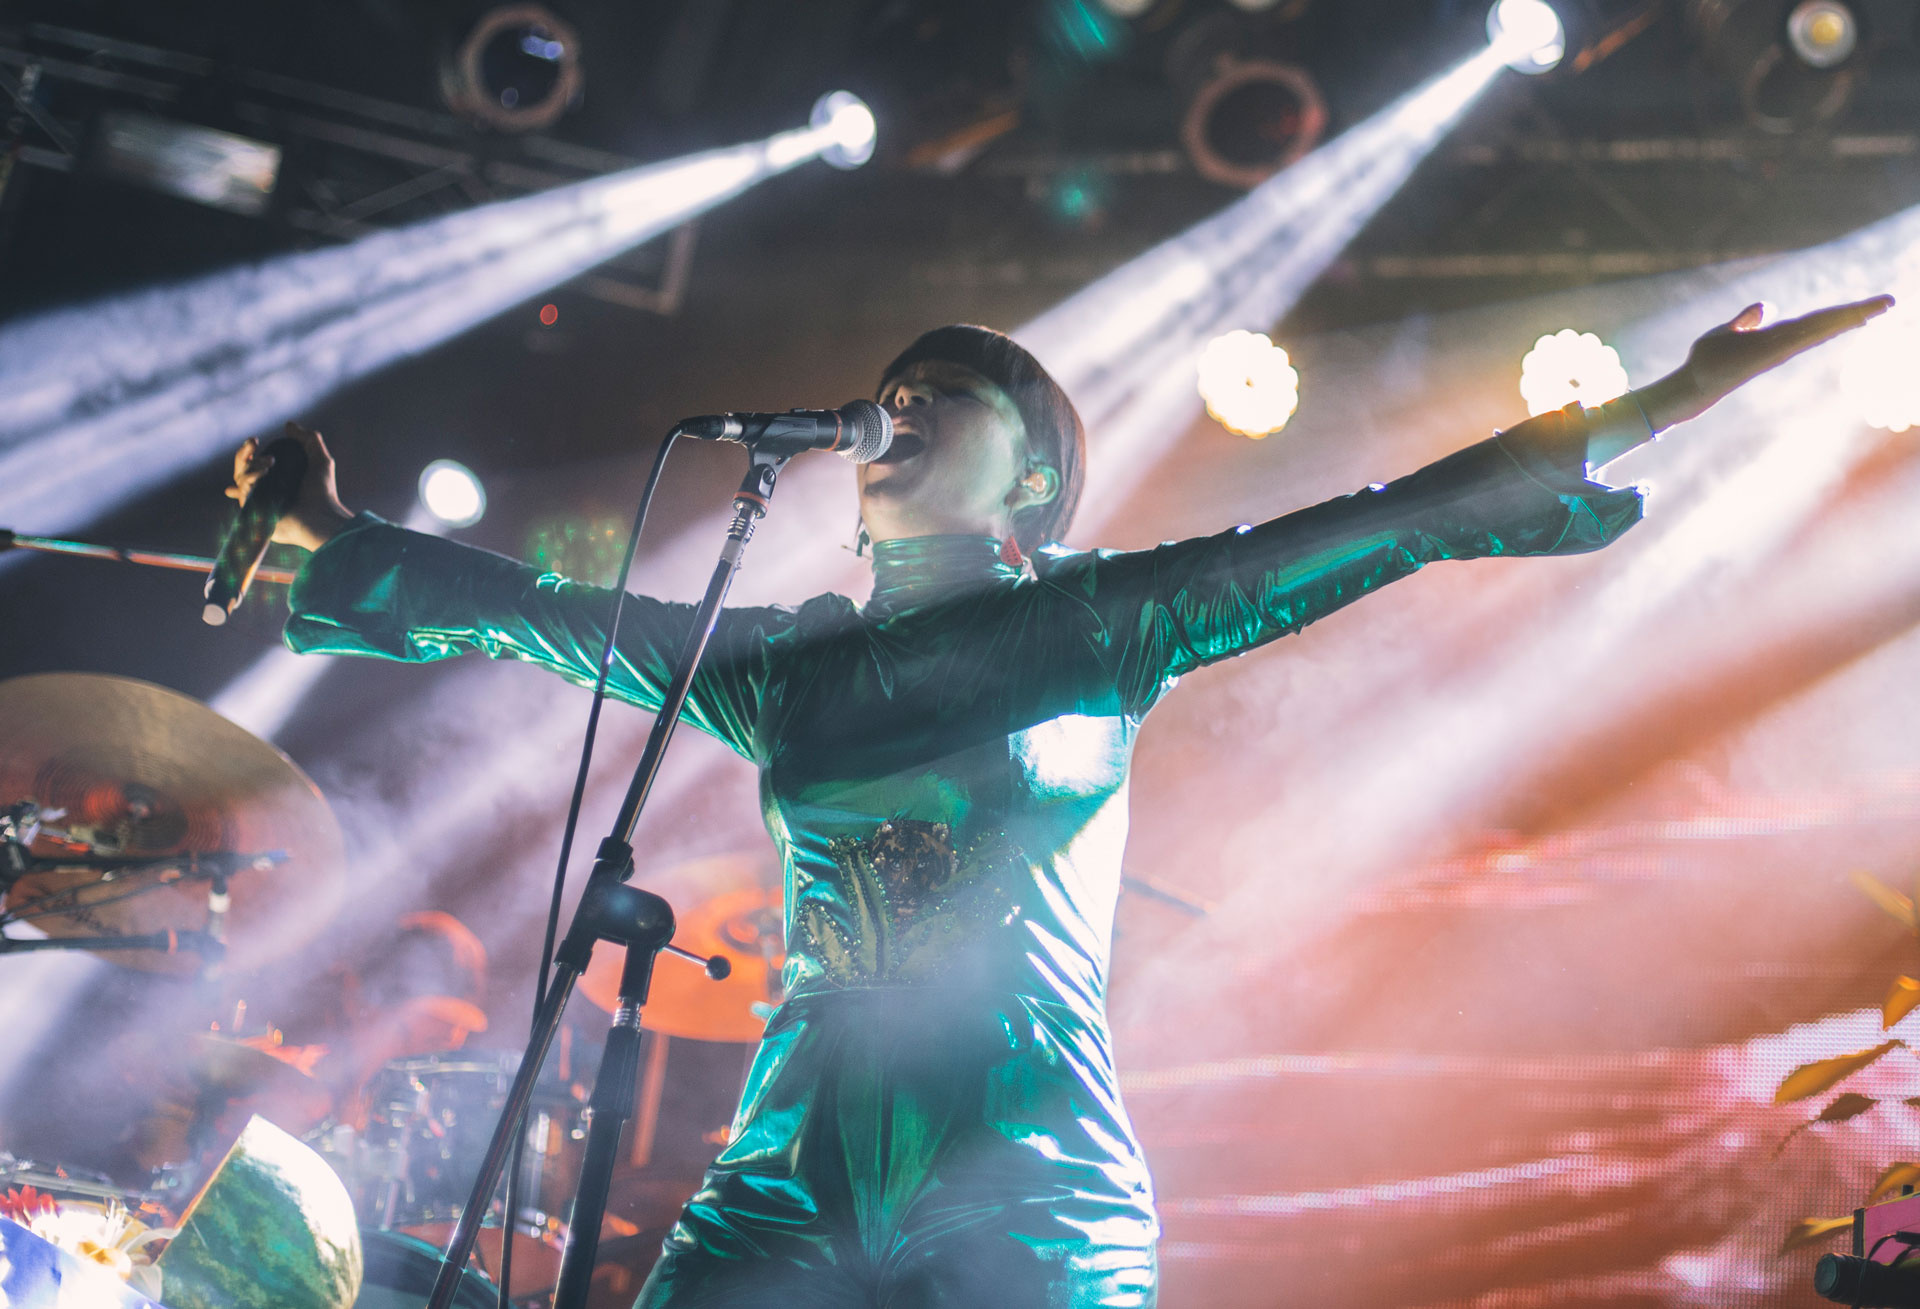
906, 444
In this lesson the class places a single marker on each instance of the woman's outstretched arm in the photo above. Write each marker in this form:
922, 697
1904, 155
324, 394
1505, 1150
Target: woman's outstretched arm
1165, 611
371, 588
1720, 363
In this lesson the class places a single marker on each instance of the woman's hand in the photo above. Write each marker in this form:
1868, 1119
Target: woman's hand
317, 512
1737, 351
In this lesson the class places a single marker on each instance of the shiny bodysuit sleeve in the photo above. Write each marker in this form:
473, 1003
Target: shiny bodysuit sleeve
1166, 611
377, 589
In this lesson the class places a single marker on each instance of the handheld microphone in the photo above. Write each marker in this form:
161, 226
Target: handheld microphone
246, 542
858, 432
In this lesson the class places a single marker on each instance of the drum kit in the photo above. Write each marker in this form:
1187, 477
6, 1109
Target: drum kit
140, 826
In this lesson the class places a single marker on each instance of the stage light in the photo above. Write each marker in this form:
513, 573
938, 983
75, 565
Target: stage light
1569, 366
1529, 33
1127, 346
1824, 33
194, 163
452, 493
517, 69
1248, 384
1791, 72
101, 401
849, 127
1250, 118
1127, 8
1878, 375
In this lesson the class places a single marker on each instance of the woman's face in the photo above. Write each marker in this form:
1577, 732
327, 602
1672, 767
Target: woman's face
958, 462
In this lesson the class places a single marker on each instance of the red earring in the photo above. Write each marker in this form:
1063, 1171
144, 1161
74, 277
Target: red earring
1010, 553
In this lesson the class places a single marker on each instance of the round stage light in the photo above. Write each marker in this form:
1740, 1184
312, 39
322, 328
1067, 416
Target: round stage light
1248, 384
1824, 33
1569, 366
1529, 32
517, 69
1877, 373
1250, 118
849, 125
451, 493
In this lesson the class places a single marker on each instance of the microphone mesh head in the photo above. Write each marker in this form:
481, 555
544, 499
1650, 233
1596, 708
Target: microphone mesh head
872, 431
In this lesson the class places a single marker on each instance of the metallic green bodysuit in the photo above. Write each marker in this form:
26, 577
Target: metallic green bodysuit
933, 1116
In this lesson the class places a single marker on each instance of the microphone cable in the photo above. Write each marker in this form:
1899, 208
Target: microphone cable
545, 979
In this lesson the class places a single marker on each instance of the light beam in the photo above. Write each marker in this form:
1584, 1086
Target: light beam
1127, 347
99, 402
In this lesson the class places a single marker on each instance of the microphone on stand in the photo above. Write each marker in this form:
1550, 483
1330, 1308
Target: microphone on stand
858, 432
247, 540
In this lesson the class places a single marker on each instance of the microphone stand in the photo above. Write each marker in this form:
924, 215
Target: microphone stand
610, 910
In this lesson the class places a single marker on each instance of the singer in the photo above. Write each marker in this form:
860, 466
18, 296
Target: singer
933, 1118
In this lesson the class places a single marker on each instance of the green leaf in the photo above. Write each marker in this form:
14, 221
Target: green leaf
1810, 1230
1898, 906
1891, 1180
1900, 1001
1812, 1079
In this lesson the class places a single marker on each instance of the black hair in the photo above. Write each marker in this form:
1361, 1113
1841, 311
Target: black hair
1055, 435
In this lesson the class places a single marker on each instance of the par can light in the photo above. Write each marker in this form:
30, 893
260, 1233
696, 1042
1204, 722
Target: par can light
1569, 366
1823, 33
452, 493
517, 69
848, 124
1529, 33
1249, 385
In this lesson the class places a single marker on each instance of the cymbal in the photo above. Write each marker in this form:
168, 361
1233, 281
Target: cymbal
272, 1084
204, 1086
745, 926
144, 771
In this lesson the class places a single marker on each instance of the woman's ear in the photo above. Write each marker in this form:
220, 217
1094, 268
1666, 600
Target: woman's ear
1039, 484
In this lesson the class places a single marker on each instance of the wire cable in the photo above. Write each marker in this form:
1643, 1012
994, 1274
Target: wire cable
545, 977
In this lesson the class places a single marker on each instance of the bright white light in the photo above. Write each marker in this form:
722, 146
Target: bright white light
101, 401
1125, 347
1248, 384
849, 126
1878, 375
452, 493
1569, 366
1528, 33
1126, 8
1822, 32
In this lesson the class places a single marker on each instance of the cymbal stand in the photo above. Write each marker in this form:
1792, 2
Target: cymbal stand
611, 910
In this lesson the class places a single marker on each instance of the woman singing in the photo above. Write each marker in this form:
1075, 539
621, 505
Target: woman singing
932, 1118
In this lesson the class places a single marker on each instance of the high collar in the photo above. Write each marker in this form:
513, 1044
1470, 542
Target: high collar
915, 570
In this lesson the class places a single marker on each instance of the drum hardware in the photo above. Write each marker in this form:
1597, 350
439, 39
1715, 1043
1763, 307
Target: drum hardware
399, 1272
12, 540
178, 831
427, 1122
612, 910
742, 925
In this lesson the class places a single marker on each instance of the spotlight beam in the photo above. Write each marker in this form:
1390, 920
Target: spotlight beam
100, 402
1126, 346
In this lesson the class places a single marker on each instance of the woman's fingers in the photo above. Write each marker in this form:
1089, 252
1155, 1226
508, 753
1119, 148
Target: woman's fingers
1825, 324
249, 466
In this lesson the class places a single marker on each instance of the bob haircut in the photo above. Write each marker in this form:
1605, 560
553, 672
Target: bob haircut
1055, 435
